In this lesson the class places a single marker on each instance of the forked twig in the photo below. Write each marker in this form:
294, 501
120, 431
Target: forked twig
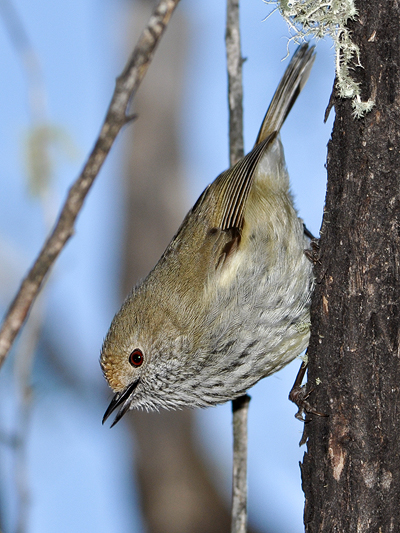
117, 116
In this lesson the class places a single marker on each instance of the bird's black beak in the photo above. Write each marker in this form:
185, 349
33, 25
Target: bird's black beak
124, 398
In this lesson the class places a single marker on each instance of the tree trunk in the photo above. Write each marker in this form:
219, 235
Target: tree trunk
351, 470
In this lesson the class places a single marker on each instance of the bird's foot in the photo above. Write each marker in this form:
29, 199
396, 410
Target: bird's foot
299, 396
313, 253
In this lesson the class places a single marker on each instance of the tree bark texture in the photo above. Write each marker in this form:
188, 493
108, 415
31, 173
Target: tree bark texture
351, 470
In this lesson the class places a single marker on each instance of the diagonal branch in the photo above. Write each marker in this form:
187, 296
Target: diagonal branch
126, 86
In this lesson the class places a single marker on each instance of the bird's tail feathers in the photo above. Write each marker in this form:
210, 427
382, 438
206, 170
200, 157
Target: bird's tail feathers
290, 86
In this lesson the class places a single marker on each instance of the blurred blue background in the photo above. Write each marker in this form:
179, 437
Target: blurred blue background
78, 472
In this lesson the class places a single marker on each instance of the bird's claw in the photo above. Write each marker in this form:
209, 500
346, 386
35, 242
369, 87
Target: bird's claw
313, 253
299, 396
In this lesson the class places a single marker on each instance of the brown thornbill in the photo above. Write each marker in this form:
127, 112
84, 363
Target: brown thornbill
228, 302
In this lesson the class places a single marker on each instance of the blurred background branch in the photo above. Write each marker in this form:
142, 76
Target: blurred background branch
116, 118
39, 173
32, 69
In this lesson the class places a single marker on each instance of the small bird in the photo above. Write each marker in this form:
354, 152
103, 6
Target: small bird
228, 302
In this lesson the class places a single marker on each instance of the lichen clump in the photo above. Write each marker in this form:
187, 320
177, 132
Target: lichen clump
318, 18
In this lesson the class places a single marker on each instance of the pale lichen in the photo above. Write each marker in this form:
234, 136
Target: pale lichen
319, 18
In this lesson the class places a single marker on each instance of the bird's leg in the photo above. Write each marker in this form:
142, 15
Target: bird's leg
313, 253
299, 396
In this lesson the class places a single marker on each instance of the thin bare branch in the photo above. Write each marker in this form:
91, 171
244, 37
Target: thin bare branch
240, 408
116, 117
235, 88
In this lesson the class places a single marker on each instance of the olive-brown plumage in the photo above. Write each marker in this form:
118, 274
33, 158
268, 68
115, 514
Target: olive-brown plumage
228, 302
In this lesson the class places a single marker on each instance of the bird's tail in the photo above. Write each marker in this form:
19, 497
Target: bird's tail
290, 86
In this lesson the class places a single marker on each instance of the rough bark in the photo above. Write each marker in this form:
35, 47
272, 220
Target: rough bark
351, 470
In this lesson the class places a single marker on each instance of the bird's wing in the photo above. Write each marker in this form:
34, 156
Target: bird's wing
231, 189
228, 194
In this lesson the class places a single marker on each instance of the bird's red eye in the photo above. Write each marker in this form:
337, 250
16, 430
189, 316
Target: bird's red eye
136, 358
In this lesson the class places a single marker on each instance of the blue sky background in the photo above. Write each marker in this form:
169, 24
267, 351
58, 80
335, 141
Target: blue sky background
78, 470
